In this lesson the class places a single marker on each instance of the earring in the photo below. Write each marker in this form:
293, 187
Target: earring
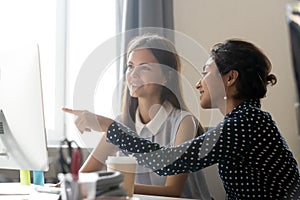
225, 97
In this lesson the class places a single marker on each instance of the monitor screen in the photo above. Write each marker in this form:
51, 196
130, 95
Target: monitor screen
22, 128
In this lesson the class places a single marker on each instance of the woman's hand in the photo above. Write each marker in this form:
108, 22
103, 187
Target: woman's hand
87, 121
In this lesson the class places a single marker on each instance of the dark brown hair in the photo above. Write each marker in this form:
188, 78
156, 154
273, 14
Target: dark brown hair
252, 64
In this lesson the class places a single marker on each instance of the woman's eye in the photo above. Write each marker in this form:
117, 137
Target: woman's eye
129, 67
145, 67
204, 73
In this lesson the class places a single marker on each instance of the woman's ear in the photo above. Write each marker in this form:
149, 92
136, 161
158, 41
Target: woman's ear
232, 77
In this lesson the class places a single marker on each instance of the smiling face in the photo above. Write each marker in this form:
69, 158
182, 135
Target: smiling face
144, 75
211, 86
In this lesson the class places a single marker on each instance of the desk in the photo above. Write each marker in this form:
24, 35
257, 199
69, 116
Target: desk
16, 191
151, 197
55, 197
142, 197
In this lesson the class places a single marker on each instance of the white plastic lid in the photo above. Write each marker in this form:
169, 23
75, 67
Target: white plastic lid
121, 159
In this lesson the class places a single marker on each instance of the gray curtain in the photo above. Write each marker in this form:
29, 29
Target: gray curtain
136, 17
147, 13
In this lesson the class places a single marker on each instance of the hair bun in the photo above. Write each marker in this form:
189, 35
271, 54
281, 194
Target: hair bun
271, 78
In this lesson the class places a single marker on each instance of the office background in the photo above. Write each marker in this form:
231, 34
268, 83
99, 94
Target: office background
262, 22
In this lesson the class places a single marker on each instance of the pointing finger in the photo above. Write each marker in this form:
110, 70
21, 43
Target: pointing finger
74, 112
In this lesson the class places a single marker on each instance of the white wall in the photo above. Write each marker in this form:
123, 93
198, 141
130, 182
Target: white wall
261, 22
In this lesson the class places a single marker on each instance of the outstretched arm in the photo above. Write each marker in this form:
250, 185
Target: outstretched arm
148, 154
193, 155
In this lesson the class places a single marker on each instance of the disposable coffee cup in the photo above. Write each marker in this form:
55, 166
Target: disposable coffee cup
127, 166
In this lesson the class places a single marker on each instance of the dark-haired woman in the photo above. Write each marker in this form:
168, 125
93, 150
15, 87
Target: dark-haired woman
253, 158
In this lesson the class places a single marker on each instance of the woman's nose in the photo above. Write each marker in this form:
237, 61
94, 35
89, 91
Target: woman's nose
134, 73
198, 84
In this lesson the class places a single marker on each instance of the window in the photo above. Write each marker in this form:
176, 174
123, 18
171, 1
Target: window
67, 32
33, 20
90, 23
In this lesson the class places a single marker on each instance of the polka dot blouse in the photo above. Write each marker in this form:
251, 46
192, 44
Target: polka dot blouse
253, 158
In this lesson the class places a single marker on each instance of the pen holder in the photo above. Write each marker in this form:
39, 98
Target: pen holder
70, 187
83, 187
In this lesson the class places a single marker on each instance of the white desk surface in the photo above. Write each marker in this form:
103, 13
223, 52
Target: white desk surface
16, 191
56, 197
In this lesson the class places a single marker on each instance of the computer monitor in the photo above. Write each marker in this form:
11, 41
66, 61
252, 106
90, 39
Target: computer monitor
22, 129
